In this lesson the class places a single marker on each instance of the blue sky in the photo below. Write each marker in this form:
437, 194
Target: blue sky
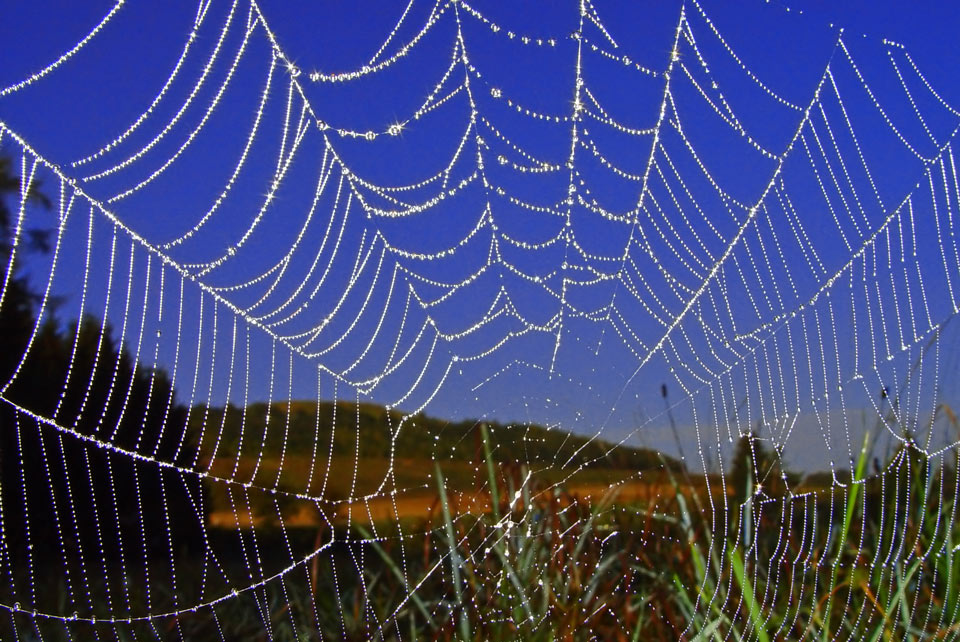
584, 369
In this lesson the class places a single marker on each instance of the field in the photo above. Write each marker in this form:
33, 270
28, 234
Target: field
416, 498
493, 553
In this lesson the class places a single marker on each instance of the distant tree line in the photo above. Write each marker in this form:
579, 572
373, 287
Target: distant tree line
304, 427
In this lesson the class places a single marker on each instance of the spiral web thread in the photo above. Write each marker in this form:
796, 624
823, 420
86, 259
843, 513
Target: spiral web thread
816, 299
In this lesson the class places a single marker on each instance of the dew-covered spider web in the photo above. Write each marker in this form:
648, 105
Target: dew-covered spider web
471, 320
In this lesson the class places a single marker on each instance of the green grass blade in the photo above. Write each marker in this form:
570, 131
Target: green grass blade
709, 630
397, 573
488, 455
852, 496
454, 553
749, 597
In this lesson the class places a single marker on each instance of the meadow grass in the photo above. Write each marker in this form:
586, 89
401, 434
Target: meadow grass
870, 559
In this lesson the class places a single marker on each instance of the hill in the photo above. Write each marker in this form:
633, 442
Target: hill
366, 430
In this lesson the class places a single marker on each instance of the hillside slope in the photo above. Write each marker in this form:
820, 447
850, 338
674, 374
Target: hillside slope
346, 429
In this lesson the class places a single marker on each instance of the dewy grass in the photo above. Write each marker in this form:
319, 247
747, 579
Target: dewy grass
539, 564
906, 599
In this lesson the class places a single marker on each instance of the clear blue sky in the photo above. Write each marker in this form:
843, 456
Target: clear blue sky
595, 383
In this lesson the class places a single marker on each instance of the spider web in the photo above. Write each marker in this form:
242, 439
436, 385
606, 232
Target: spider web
556, 244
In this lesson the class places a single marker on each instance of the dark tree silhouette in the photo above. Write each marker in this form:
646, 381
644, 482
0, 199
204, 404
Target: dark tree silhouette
753, 460
74, 495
